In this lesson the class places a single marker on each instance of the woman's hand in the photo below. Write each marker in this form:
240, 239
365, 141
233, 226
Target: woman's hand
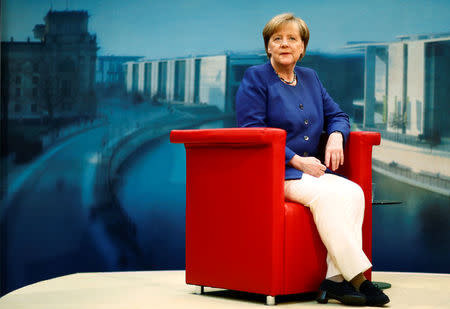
308, 165
334, 152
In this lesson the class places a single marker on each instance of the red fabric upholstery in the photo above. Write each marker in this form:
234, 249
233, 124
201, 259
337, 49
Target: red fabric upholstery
240, 233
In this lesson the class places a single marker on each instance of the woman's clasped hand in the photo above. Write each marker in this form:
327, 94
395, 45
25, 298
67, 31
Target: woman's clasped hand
309, 165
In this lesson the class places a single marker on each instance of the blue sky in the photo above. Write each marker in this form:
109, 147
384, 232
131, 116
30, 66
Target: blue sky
168, 28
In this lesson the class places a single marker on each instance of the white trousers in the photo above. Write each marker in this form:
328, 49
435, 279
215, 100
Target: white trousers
337, 205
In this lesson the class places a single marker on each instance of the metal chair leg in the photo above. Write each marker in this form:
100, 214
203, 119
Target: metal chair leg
199, 289
270, 300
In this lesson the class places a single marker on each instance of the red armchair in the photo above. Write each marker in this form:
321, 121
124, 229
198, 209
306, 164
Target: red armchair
240, 232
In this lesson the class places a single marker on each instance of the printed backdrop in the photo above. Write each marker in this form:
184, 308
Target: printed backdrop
90, 90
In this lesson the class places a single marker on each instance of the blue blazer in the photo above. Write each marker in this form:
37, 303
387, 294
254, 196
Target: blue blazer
304, 110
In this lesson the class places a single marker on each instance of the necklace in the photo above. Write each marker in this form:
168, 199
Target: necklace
286, 81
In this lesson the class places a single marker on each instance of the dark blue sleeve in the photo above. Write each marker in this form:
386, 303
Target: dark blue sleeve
335, 118
251, 104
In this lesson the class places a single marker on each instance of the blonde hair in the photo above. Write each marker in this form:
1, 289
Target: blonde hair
273, 25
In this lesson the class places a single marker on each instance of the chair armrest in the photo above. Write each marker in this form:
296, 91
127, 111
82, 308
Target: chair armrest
234, 207
358, 168
364, 138
249, 136
358, 158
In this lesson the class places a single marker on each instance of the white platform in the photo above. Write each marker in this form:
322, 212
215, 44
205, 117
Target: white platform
166, 289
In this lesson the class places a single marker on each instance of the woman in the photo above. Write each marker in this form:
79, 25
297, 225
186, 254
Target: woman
279, 94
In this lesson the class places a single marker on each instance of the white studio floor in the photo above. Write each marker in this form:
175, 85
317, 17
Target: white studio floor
167, 289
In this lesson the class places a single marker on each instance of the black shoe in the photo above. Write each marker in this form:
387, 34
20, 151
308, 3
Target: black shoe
341, 291
374, 296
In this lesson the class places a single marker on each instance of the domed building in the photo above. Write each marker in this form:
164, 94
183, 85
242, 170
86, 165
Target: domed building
53, 77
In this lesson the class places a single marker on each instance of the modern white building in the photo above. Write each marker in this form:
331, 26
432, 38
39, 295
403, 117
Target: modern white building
211, 80
109, 70
406, 87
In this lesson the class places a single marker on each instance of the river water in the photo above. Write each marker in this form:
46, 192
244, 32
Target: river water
412, 236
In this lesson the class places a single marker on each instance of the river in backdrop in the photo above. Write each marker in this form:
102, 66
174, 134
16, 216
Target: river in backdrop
412, 236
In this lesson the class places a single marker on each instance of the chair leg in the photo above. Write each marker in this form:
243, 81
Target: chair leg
199, 289
270, 300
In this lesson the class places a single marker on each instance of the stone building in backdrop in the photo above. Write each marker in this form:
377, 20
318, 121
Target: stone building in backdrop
53, 77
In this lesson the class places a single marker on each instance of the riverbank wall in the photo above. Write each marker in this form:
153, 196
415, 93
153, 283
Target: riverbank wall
432, 182
116, 153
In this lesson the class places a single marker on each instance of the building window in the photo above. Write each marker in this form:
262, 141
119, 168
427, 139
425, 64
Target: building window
162, 79
419, 115
18, 92
65, 88
408, 115
35, 80
66, 106
238, 72
398, 107
180, 76
147, 78
35, 67
197, 81
18, 80
35, 92
17, 108
34, 108
135, 77
66, 65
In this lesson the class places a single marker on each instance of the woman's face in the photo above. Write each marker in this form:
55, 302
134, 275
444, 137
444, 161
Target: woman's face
286, 45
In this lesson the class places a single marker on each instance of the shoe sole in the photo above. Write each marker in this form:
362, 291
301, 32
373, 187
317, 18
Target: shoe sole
380, 304
350, 300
